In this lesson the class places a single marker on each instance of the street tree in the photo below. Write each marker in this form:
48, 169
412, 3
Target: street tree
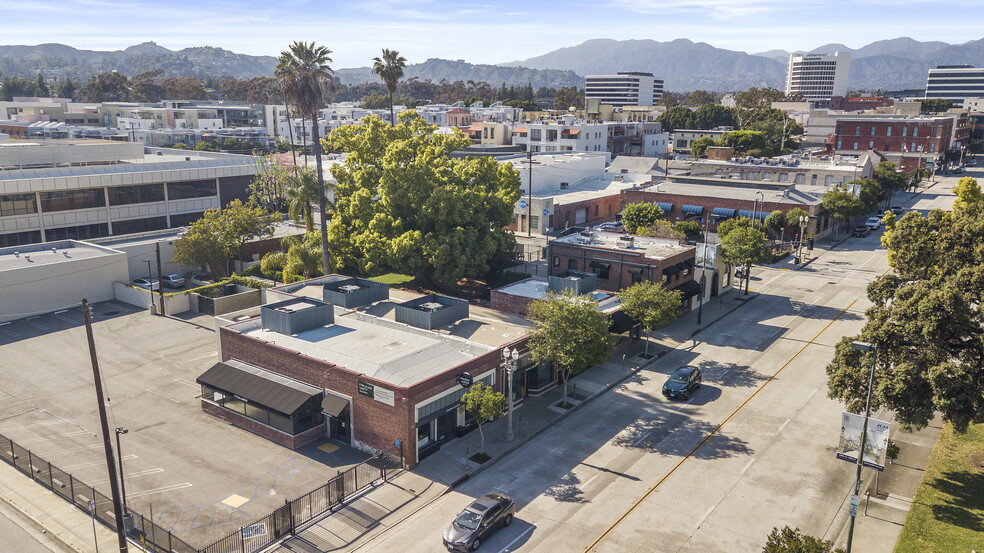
869, 192
926, 321
570, 333
484, 404
890, 179
390, 67
841, 205
652, 305
306, 76
775, 223
725, 227
744, 245
789, 540
640, 215
403, 203
690, 230
793, 217
219, 236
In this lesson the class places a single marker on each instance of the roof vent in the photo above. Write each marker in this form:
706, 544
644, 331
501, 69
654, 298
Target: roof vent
575, 281
352, 293
296, 315
432, 311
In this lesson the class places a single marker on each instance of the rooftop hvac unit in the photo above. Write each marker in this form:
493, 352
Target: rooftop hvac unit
625, 241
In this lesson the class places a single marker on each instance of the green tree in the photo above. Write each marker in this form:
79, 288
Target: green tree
662, 229
700, 98
890, 179
677, 118
389, 67
111, 86
639, 216
305, 78
750, 142
301, 193
484, 404
935, 105
303, 257
403, 203
744, 245
690, 229
793, 218
698, 148
789, 540
66, 89
775, 223
570, 333
841, 205
926, 321
272, 265
569, 97
13, 87
709, 116
755, 98
43, 90
219, 236
725, 227
652, 305
968, 193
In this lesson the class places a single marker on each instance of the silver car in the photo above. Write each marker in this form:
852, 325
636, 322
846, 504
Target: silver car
148, 283
174, 281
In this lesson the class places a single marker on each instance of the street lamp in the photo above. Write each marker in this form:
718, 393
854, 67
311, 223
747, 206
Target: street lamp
862, 346
150, 275
759, 203
803, 221
510, 358
700, 301
119, 457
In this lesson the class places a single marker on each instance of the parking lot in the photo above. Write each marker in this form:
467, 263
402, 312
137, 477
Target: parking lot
201, 477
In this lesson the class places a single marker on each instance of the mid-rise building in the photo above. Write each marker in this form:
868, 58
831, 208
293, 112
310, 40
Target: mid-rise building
906, 141
625, 88
955, 83
818, 77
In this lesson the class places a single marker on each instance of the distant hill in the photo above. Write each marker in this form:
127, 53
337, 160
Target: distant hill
438, 69
684, 65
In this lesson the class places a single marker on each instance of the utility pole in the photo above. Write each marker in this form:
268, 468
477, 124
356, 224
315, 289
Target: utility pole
529, 201
104, 424
160, 279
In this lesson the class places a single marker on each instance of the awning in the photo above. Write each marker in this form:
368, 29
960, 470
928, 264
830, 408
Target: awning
571, 132
333, 405
750, 214
692, 209
620, 322
723, 212
258, 385
666, 207
518, 130
689, 289
671, 270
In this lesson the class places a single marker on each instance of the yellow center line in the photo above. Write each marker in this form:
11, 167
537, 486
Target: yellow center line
683, 460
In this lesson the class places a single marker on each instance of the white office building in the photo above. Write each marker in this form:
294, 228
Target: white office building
818, 77
626, 88
956, 83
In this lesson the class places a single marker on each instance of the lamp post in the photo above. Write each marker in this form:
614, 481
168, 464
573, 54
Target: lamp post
799, 250
700, 301
510, 358
119, 457
760, 204
150, 275
862, 346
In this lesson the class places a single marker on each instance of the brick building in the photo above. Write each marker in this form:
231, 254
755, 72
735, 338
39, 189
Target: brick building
906, 141
364, 368
858, 103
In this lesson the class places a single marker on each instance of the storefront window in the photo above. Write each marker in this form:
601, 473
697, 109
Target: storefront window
424, 436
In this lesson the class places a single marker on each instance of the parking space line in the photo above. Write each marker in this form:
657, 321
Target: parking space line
160, 490
129, 476
161, 395
37, 440
517, 538
748, 466
66, 319
10, 332
32, 322
783, 427
703, 518
644, 436
30, 426
94, 463
69, 450
187, 383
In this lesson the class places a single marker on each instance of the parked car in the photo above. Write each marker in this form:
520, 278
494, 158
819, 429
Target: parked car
611, 227
741, 271
873, 222
972, 162
897, 210
148, 283
958, 169
479, 521
862, 232
683, 382
174, 281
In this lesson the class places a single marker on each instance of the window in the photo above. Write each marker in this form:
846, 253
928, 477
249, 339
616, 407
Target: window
600, 269
73, 199
905, 131
888, 146
912, 146
492, 133
635, 274
888, 132
857, 131
838, 144
855, 144
597, 207
556, 261
20, 238
801, 178
535, 135
190, 189
139, 225
535, 221
872, 130
17, 204
932, 148
571, 264
82, 232
871, 144
186, 219
125, 195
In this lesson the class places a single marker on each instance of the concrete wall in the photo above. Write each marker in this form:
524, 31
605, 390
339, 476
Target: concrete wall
142, 299
31, 288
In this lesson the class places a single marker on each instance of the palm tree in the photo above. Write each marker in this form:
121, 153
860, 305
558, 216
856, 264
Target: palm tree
302, 192
390, 70
305, 78
302, 256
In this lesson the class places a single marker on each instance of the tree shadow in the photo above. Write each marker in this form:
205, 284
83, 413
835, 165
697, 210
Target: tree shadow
652, 434
822, 312
566, 490
731, 374
965, 491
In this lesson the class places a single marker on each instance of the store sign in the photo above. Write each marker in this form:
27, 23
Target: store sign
366, 389
465, 380
383, 395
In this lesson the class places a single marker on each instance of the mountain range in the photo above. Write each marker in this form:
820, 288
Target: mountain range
900, 63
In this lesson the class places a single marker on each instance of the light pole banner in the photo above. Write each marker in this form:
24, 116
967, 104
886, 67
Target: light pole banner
876, 443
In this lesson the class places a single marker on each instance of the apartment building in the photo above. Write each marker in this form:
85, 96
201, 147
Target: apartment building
818, 77
956, 83
625, 88
568, 134
906, 141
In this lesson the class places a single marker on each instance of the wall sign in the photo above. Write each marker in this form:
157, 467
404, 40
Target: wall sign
465, 380
383, 395
365, 389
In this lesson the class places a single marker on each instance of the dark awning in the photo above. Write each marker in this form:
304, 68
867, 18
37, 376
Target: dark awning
689, 289
621, 322
671, 270
752, 214
723, 212
333, 405
692, 209
258, 385
666, 207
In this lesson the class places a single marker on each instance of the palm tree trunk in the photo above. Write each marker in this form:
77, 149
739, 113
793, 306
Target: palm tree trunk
392, 118
315, 134
290, 132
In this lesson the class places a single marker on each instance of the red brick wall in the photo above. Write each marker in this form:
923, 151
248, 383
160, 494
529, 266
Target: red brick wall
509, 303
600, 209
845, 132
268, 432
621, 261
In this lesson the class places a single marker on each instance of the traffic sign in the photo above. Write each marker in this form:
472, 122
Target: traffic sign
854, 511
544, 211
92, 506
854, 500
522, 204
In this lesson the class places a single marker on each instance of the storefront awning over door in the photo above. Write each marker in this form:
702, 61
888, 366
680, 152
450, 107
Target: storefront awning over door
258, 385
333, 405
688, 289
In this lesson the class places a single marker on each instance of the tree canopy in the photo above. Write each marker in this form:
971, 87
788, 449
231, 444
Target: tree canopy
789, 540
651, 304
744, 245
484, 404
640, 215
219, 236
403, 203
841, 204
926, 321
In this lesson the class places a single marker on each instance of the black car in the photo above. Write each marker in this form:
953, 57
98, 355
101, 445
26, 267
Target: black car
862, 232
478, 521
682, 382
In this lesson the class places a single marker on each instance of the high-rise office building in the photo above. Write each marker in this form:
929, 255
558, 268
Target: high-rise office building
955, 83
818, 77
626, 88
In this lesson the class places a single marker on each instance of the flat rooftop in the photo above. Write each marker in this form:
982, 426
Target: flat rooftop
703, 187
590, 188
34, 255
538, 289
653, 248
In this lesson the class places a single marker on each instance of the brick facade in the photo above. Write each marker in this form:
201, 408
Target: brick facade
563, 256
508, 303
929, 136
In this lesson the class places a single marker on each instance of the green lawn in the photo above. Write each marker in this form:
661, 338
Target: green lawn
392, 278
947, 515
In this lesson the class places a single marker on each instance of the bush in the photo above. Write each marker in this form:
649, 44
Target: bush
272, 265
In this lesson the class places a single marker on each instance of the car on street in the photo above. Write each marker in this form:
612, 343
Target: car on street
611, 227
896, 209
174, 281
148, 283
862, 232
683, 382
972, 162
478, 521
873, 222
741, 271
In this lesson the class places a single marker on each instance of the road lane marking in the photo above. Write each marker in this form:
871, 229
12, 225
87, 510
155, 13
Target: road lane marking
510, 544
783, 426
160, 490
635, 505
582, 486
813, 393
703, 518
644, 436
748, 466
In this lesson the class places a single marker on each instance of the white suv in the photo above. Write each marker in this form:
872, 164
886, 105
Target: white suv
874, 222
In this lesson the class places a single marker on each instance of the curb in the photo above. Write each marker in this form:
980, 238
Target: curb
39, 525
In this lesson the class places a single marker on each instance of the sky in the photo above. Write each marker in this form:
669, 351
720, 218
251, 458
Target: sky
479, 32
